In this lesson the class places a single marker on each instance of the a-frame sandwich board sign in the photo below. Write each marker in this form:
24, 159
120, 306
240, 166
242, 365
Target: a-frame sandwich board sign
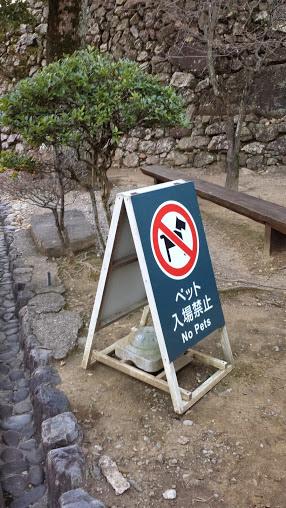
157, 253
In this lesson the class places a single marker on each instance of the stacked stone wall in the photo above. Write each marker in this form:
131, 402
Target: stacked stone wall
22, 54
141, 31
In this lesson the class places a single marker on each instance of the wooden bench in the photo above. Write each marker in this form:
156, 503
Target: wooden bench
271, 215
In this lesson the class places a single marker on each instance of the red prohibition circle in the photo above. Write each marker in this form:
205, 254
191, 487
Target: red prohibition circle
157, 225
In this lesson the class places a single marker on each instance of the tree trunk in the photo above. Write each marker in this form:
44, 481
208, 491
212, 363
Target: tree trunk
105, 195
96, 220
62, 216
59, 213
234, 140
62, 234
63, 28
232, 159
232, 173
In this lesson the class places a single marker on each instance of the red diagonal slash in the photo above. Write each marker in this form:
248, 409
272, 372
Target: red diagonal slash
175, 239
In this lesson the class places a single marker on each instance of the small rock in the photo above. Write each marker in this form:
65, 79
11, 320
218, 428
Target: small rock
10, 468
44, 374
36, 475
183, 440
112, 474
10, 454
188, 423
5, 384
170, 494
20, 395
29, 498
42, 502
35, 457
202, 159
131, 160
11, 437
16, 422
4, 369
22, 383
27, 431
16, 374
42, 28
15, 484
31, 444
253, 148
78, 498
5, 411
61, 430
181, 79
97, 450
38, 357
23, 407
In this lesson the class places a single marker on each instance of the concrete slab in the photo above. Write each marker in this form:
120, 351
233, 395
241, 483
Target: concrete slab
46, 238
56, 331
29, 256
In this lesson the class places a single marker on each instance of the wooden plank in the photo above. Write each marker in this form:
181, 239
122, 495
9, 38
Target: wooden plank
226, 347
144, 317
95, 316
191, 355
179, 364
257, 209
107, 351
205, 387
208, 360
137, 373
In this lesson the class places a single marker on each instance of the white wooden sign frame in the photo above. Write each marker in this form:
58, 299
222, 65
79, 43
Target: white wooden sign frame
167, 379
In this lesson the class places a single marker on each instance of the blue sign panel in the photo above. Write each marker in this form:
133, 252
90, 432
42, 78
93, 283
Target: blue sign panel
179, 265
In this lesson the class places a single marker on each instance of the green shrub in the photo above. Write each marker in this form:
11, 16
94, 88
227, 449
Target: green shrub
88, 96
13, 13
18, 162
87, 101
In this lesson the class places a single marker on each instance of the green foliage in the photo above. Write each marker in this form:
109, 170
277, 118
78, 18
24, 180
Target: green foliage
13, 13
88, 98
18, 162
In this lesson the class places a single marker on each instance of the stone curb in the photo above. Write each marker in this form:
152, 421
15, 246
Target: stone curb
56, 427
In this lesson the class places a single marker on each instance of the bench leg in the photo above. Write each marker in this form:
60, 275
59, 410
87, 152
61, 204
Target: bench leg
274, 241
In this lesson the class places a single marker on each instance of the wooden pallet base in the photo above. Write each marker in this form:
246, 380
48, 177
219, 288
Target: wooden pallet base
159, 381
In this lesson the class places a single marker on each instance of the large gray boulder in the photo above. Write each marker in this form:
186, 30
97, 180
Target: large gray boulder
46, 237
60, 430
65, 471
48, 401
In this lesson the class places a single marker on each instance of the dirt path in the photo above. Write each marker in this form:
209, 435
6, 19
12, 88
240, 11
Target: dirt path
234, 452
